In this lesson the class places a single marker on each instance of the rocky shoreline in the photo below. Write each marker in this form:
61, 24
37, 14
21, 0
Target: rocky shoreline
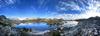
85, 27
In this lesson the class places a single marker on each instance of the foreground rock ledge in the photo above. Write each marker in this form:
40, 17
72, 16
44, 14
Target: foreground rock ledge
86, 27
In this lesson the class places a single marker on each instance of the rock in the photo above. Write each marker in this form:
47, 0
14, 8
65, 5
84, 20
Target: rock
4, 21
87, 27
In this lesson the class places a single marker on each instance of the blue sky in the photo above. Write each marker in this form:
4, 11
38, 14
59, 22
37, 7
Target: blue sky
28, 8
42, 8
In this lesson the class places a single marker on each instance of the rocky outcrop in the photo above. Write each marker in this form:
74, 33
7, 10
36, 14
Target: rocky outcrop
4, 21
6, 27
86, 27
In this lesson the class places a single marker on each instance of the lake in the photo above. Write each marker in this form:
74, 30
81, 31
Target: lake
36, 26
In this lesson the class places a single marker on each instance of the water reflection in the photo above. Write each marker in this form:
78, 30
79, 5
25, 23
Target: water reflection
36, 26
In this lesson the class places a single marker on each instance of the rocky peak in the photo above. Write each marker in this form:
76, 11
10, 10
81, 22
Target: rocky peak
4, 21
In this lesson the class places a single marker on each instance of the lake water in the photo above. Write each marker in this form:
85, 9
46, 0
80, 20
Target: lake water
36, 26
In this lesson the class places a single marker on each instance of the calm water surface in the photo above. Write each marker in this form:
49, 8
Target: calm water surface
36, 26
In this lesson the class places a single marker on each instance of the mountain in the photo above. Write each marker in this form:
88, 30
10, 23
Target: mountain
4, 21
5, 26
86, 27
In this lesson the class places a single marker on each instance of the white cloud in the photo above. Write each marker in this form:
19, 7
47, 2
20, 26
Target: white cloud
10, 1
4, 3
92, 11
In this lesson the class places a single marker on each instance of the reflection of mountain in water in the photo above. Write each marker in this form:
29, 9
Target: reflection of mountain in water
35, 26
